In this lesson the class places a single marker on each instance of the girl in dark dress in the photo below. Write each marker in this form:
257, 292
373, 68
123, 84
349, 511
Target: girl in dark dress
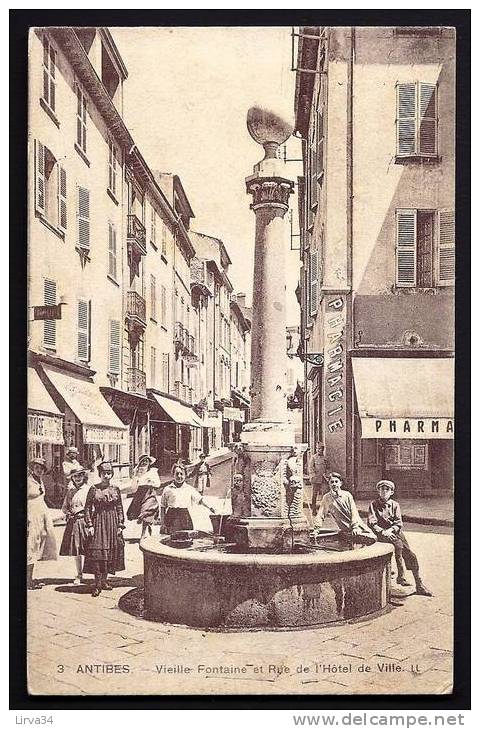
105, 523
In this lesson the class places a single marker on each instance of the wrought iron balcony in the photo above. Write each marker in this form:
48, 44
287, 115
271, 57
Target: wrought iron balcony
136, 308
136, 236
136, 381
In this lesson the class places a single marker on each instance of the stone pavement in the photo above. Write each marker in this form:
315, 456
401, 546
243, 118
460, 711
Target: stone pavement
81, 645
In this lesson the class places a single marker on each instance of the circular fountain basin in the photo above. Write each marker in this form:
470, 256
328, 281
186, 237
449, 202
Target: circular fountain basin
208, 586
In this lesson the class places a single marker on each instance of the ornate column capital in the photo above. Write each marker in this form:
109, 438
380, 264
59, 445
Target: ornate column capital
269, 191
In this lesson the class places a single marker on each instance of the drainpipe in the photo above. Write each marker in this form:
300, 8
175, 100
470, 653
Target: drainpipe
350, 448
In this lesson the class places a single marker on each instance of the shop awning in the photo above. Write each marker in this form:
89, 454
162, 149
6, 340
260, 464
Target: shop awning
45, 421
405, 397
99, 422
179, 413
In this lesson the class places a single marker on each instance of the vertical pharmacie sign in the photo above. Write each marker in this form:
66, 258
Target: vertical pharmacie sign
335, 364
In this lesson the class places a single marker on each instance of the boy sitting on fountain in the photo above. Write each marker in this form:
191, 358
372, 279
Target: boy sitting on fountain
385, 519
340, 504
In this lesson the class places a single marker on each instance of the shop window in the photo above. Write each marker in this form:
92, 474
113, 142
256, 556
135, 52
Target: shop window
369, 451
406, 456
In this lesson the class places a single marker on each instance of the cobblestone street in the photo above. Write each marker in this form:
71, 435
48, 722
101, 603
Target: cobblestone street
75, 641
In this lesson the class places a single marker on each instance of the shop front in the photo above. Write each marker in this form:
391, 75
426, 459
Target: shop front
233, 420
89, 423
176, 432
404, 424
45, 434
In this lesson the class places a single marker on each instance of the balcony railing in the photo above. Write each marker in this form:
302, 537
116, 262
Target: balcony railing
136, 308
136, 234
136, 381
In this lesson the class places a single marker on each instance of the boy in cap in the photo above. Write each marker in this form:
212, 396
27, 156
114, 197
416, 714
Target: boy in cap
385, 519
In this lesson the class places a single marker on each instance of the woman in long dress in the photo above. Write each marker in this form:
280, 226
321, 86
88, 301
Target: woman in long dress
144, 506
105, 524
41, 542
176, 502
75, 536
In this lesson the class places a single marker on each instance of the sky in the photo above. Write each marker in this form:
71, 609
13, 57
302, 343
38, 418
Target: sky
185, 102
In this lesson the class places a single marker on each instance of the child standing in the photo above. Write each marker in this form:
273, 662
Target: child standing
385, 519
75, 537
176, 501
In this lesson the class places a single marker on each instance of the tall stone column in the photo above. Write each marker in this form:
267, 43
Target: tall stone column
267, 490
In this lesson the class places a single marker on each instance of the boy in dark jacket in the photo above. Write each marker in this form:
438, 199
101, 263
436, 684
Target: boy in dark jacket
385, 520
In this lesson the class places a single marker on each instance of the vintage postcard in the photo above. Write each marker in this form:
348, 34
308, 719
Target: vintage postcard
241, 268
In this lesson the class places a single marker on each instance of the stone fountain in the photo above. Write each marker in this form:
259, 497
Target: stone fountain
266, 574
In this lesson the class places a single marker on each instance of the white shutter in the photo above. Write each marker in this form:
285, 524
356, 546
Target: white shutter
406, 247
427, 130
112, 251
114, 347
49, 325
153, 365
165, 372
83, 213
163, 314
313, 282
406, 119
40, 183
153, 297
83, 330
446, 247
62, 198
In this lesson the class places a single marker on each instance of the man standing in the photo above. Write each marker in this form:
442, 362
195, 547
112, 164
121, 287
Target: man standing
70, 464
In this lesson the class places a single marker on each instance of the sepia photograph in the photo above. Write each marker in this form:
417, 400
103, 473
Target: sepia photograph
241, 360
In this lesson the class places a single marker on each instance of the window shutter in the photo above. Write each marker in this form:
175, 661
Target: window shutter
112, 251
40, 177
427, 132
153, 226
164, 239
114, 347
153, 297
62, 198
83, 213
446, 247
164, 306
313, 282
406, 247
83, 330
165, 373
153, 365
49, 325
406, 119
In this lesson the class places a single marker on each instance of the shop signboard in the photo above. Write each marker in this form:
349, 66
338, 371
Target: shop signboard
45, 428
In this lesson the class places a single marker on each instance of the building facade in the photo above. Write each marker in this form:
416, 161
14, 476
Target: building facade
375, 108
137, 357
76, 216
